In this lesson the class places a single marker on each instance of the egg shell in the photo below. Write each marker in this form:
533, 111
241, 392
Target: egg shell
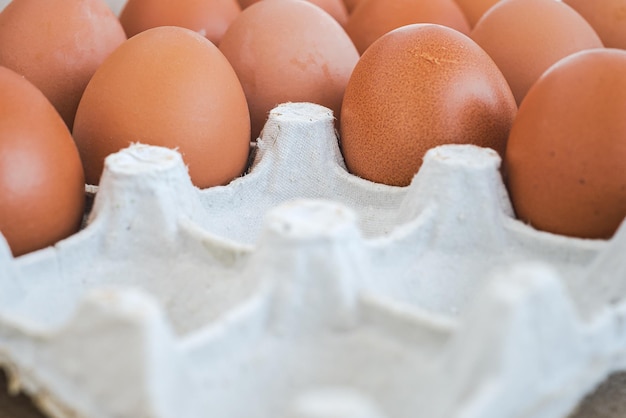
607, 17
417, 87
373, 18
567, 149
41, 177
525, 37
288, 51
172, 87
210, 18
58, 45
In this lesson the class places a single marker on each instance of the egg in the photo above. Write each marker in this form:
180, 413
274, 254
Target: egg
210, 18
415, 88
525, 37
166, 86
335, 8
42, 190
374, 18
606, 17
288, 51
475, 9
58, 45
567, 148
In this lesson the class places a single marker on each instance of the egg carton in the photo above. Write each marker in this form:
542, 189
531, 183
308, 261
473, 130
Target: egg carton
302, 291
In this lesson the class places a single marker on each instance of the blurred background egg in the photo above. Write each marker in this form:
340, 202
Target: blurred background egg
288, 51
525, 37
42, 190
415, 88
475, 9
172, 87
607, 17
373, 18
209, 18
58, 45
566, 156
335, 8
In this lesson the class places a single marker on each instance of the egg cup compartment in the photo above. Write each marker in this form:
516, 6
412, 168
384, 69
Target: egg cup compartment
299, 290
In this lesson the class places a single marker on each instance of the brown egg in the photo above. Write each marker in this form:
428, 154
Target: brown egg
172, 87
335, 8
42, 190
415, 88
475, 9
607, 17
566, 157
525, 37
210, 18
374, 18
288, 51
58, 45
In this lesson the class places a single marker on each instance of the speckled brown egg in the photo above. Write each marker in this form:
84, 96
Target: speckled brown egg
566, 157
373, 18
58, 45
525, 37
415, 88
171, 87
209, 18
607, 17
42, 190
288, 51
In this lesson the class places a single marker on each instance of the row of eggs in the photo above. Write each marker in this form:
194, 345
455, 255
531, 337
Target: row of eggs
531, 79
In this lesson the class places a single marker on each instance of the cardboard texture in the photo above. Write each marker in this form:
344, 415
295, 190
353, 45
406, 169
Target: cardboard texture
299, 290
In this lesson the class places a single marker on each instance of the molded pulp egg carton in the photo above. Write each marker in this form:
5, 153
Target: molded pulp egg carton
301, 291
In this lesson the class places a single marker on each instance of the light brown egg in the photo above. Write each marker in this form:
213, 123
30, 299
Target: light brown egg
374, 18
58, 45
566, 156
415, 88
166, 86
525, 37
607, 17
335, 8
288, 51
210, 18
475, 9
42, 191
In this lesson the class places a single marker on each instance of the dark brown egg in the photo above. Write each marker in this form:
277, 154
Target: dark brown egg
42, 190
58, 45
415, 88
166, 86
566, 157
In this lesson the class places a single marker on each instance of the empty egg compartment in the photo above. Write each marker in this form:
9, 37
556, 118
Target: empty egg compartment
299, 290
